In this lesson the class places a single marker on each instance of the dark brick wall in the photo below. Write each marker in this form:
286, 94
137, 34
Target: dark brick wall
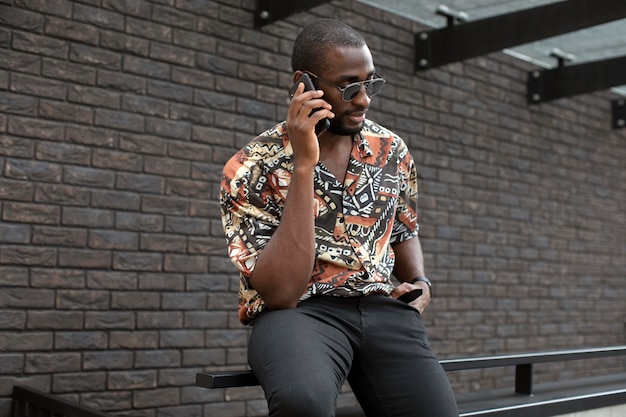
115, 120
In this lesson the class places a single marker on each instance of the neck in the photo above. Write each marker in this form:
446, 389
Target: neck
335, 154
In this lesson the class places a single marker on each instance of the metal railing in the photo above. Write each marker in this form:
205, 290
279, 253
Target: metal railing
520, 404
29, 402
523, 363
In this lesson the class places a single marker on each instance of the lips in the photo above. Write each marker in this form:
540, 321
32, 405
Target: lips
357, 117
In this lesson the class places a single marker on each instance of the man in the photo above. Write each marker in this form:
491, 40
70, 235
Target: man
316, 225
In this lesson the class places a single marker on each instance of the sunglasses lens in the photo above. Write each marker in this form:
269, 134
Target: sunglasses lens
351, 91
374, 87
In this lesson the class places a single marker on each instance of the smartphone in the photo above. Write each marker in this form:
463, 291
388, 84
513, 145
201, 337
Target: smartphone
411, 295
323, 124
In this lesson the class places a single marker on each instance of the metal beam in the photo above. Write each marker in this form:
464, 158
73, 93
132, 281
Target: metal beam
457, 42
268, 11
567, 81
618, 108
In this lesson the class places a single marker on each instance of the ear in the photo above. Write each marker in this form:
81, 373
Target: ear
297, 75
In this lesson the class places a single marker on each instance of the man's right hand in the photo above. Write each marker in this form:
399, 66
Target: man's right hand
305, 110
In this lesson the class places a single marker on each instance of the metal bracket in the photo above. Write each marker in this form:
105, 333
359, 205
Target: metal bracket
561, 57
524, 379
268, 11
618, 110
454, 43
567, 81
452, 16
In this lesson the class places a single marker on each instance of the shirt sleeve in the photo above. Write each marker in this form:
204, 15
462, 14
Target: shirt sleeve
249, 210
405, 225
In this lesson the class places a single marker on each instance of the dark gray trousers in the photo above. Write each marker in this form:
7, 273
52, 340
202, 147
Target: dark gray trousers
303, 356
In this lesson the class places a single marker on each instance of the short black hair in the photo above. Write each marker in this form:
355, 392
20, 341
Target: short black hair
311, 45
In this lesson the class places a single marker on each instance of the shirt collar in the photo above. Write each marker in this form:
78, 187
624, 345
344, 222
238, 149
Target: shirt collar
363, 145
360, 140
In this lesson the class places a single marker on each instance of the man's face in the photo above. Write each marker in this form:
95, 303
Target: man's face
347, 65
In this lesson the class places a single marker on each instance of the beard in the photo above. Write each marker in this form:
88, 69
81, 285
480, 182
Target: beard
337, 127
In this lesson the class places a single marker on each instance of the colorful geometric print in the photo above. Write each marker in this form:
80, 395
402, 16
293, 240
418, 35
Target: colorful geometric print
355, 222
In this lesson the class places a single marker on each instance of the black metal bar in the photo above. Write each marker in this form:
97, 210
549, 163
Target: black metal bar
537, 357
268, 11
559, 406
49, 404
618, 110
524, 379
462, 41
571, 80
19, 408
226, 379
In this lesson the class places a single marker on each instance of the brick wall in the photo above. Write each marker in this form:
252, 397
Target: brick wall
115, 120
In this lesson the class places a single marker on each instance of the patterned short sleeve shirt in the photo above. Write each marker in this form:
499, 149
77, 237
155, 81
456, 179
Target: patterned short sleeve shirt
356, 221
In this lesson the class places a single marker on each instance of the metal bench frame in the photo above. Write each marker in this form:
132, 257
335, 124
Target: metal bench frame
520, 404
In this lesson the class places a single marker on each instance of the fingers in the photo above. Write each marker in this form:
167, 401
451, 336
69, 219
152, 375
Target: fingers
420, 303
301, 120
307, 108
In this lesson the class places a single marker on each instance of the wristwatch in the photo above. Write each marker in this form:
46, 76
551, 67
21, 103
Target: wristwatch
426, 280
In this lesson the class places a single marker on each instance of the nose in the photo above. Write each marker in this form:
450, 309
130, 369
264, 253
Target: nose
362, 99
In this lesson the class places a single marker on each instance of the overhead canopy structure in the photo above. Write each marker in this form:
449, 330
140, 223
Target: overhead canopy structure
457, 42
268, 11
569, 40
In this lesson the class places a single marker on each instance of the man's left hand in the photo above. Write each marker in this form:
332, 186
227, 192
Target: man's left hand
421, 302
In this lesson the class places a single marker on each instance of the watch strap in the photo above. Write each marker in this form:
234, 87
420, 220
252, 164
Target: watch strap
426, 280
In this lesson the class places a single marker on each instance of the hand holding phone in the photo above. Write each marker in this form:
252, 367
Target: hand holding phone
323, 124
410, 296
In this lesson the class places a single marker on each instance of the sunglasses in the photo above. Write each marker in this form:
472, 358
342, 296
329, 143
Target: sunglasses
350, 91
